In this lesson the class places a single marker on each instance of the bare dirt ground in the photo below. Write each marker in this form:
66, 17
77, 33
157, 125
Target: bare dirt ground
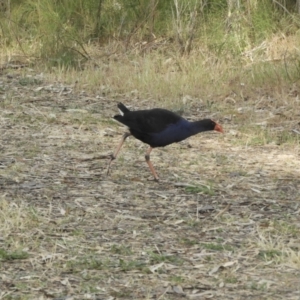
223, 223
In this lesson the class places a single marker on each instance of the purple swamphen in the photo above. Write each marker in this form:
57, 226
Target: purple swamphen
158, 128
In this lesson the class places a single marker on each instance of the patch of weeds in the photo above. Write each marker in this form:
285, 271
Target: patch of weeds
70, 146
209, 105
177, 279
8, 101
287, 137
263, 137
269, 254
257, 141
89, 289
191, 162
77, 232
200, 189
52, 120
193, 223
32, 152
20, 286
123, 250
237, 173
29, 81
230, 279
131, 265
217, 247
189, 242
31, 121
88, 119
110, 122
220, 159
286, 228
158, 258
256, 136
96, 264
208, 258
33, 214
5, 255
87, 263
121, 231
121, 159
258, 287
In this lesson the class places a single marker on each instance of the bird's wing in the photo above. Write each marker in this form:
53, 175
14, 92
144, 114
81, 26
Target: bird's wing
149, 121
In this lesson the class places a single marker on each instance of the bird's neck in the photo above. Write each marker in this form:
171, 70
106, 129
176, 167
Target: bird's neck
197, 127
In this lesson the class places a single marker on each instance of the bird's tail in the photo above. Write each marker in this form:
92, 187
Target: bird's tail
123, 109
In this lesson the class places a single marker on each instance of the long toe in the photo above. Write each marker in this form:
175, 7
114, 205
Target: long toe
151, 178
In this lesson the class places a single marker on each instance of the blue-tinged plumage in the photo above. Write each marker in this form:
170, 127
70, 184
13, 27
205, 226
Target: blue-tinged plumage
173, 133
159, 127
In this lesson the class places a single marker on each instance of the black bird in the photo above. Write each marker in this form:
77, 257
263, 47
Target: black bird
158, 128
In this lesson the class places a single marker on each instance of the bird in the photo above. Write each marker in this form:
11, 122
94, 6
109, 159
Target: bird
158, 128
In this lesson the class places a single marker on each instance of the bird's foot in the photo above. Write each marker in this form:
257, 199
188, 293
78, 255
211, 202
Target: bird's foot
112, 157
155, 179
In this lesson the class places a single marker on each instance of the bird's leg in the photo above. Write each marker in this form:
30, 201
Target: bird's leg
113, 156
147, 156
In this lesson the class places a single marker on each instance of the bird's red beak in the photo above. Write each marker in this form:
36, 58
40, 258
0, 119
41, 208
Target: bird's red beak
219, 128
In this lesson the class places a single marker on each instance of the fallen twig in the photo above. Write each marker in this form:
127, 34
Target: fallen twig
296, 131
222, 211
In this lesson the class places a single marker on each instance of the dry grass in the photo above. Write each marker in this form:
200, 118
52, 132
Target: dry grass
223, 223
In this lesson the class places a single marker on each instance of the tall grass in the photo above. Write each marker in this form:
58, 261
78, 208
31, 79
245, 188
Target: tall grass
58, 31
165, 49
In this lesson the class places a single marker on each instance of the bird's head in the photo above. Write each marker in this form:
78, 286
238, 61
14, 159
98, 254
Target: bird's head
209, 124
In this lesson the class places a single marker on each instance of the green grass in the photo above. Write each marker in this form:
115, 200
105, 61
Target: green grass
132, 265
285, 227
158, 258
189, 242
270, 254
177, 279
91, 263
217, 247
121, 249
24, 81
258, 287
14, 255
207, 190
231, 279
